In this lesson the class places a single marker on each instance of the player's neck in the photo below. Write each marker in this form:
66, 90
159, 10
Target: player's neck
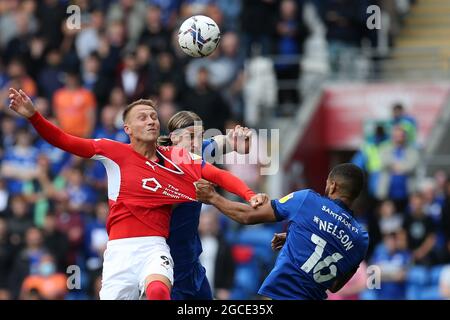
146, 149
344, 200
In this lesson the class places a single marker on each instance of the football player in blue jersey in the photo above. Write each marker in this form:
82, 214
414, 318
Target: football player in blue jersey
190, 282
324, 243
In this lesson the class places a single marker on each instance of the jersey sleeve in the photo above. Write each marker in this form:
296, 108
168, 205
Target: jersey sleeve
55, 136
287, 207
109, 149
209, 148
227, 181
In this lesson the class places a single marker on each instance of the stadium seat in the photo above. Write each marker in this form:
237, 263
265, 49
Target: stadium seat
368, 295
430, 293
417, 276
435, 274
247, 276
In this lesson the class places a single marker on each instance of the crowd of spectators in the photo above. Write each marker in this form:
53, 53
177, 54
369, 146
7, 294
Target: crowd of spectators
408, 219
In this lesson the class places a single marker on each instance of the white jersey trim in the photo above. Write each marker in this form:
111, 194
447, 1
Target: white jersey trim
168, 160
113, 172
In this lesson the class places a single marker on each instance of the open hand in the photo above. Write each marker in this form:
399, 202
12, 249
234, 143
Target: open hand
238, 138
21, 103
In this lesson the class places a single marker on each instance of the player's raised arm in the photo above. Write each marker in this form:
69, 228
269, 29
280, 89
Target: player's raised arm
22, 105
237, 211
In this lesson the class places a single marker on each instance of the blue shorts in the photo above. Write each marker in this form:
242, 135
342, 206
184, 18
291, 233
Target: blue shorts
192, 284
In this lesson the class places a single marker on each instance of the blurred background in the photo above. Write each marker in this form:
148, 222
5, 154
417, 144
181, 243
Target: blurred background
340, 80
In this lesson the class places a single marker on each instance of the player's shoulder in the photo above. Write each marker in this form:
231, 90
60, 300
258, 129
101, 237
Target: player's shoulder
104, 146
310, 195
296, 198
313, 194
296, 195
106, 141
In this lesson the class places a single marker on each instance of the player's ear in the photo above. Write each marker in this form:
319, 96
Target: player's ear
333, 186
126, 128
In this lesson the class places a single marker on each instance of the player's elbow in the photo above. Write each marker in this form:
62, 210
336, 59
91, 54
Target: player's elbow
245, 217
247, 220
250, 219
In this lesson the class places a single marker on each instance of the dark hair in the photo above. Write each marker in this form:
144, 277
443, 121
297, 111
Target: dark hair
350, 179
95, 55
145, 102
179, 120
398, 106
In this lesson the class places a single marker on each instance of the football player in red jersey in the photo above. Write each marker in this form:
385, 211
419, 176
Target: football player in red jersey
144, 181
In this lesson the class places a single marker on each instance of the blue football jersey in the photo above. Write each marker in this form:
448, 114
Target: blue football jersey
323, 242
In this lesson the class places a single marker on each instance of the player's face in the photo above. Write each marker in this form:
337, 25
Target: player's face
142, 124
189, 138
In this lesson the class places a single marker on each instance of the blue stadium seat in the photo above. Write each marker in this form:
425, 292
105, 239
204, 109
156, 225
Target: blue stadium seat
246, 281
423, 283
417, 275
368, 295
435, 274
430, 293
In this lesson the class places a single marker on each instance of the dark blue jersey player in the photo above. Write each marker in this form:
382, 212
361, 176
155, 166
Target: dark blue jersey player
190, 282
324, 244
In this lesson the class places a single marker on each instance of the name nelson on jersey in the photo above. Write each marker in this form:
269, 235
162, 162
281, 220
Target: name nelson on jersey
333, 230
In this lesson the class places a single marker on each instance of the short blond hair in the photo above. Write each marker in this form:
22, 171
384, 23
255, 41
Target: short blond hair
145, 102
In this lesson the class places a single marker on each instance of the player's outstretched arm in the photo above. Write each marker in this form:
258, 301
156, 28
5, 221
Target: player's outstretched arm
237, 211
23, 106
227, 181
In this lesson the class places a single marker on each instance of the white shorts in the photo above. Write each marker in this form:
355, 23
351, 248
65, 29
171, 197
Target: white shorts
127, 262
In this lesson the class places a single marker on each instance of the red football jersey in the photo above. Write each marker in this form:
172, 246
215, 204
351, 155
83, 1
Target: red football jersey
141, 192
146, 189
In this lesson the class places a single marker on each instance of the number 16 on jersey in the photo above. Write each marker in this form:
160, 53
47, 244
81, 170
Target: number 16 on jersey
313, 261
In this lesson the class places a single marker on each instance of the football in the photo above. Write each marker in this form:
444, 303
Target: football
199, 36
